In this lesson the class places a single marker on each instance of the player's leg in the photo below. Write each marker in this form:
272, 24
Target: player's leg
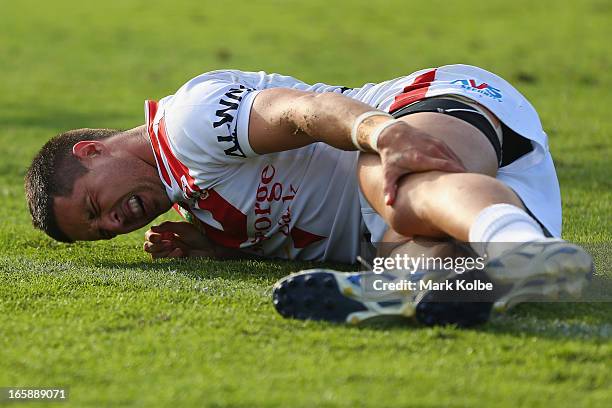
438, 204
469, 206
432, 204
482, 210
334, 296
442, 205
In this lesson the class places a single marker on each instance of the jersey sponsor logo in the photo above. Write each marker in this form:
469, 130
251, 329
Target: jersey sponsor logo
270, 192
480, 87
225, 117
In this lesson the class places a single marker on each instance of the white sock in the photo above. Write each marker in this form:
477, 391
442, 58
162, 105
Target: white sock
505, 224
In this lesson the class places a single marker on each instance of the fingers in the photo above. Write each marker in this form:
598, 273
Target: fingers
450, 166
442, 153
431, 163
447, 151
158, 247
164, 250
390, 193
416, 161
172, 240
157, 237
453, 163
152, 236
157, 250
169, 230
392, 173
390, 186
182, 231
432, 159
417, 152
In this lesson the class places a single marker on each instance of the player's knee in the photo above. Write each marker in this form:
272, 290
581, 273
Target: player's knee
401, 225
405, 221
420, 197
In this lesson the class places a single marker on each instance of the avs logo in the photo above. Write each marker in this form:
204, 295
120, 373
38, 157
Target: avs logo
482, 88
229, 107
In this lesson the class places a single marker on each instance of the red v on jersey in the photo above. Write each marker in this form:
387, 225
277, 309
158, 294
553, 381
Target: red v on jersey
414, 92
151, 110
165, 157
234, 222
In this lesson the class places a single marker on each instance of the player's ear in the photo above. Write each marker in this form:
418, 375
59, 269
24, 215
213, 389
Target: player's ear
88, 149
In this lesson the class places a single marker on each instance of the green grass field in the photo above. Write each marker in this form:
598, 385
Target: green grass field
119, 329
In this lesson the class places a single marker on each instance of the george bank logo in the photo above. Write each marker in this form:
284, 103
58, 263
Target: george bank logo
483, 88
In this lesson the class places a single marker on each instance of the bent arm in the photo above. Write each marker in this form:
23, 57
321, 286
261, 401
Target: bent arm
283, 119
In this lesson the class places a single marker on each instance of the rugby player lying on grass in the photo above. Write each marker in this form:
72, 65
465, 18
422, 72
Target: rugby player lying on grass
266, 165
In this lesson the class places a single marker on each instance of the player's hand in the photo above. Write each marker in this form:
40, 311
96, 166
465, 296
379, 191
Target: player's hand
404, 149
177, 240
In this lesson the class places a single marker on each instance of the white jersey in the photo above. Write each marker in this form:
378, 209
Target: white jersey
303, 203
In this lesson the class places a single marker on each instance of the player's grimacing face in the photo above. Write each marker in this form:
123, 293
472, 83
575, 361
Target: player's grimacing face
116, 196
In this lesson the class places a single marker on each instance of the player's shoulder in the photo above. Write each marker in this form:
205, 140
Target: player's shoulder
230, 79
207, 119
211, 87
214, 93
208, 100
229, 76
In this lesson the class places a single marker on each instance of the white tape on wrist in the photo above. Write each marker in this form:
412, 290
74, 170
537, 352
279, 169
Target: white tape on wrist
358, 122
377, 131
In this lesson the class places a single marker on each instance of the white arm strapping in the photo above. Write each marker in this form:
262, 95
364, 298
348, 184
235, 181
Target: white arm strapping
377, 131
358, 122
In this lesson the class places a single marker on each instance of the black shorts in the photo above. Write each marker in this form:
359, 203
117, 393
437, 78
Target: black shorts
514, 145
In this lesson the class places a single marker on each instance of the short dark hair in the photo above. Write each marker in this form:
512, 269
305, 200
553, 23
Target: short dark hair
53, 173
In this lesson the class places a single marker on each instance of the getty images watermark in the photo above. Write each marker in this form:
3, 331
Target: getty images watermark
417, 273
455, 272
